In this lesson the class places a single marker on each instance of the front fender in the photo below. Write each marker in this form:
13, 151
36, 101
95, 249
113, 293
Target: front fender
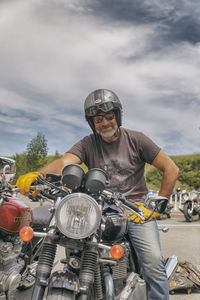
64, 280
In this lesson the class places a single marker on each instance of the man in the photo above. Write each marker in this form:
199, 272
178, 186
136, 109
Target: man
122, 153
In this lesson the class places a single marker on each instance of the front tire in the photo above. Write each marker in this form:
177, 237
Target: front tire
188, 211
60, 294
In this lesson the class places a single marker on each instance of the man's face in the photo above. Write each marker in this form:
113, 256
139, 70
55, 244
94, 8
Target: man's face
105, 124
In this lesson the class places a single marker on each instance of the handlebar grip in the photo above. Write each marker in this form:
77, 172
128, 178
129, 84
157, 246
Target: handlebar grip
131, 205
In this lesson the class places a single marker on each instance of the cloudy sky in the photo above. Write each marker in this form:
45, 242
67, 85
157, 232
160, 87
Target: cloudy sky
53, 53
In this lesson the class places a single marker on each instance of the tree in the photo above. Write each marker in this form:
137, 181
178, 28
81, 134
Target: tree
57, 154
21, 164
36, 152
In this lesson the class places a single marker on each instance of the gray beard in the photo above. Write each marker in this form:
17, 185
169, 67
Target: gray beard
108, 134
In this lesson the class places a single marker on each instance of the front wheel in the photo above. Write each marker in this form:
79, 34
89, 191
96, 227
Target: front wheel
60, 294
188, 211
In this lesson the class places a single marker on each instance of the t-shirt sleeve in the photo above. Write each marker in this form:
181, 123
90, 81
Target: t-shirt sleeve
80, 149
148, 150
77, 150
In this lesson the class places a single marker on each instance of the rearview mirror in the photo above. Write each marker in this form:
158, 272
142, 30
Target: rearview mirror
156, 203
7, 168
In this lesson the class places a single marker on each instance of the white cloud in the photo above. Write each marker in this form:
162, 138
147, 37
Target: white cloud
54, 53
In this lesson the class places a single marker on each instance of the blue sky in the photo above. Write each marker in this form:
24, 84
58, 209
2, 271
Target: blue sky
53, 53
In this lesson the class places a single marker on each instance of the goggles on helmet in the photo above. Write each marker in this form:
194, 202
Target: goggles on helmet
104, 107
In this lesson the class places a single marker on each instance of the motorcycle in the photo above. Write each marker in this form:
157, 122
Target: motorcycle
18, 260
190, 202
91, 224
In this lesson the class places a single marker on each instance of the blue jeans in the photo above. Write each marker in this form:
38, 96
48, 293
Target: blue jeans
146, 242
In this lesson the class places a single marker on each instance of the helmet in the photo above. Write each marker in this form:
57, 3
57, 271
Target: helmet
102, 100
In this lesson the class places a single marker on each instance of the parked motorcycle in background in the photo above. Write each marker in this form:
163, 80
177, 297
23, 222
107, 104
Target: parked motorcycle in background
190, 202
18, 260
91, 224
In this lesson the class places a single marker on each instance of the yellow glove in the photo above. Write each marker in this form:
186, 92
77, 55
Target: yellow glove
146, 212
24, 182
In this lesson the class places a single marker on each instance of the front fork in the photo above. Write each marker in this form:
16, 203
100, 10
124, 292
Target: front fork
44, 268
87, 273
91, 275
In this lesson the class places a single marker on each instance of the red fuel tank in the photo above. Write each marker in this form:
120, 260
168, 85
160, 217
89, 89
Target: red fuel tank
15, 214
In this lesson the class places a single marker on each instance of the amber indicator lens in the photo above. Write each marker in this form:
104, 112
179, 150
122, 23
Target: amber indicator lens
117, 251
26, 234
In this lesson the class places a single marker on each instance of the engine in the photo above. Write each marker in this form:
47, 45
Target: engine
115, 225
10, 263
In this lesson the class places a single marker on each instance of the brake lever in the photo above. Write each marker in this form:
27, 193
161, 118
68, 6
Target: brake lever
123, 203
138, 213
49, 184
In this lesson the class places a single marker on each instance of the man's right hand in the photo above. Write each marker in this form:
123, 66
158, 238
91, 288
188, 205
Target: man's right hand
24, 182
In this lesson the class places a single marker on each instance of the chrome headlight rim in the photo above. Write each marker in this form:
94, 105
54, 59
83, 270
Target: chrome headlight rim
78, 196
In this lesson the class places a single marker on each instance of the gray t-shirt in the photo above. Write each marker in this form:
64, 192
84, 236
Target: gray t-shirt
123, 160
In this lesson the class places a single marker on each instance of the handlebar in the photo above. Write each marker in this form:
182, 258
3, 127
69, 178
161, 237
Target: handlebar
38, 187
153, 203
119, 200
51, 190
117, 196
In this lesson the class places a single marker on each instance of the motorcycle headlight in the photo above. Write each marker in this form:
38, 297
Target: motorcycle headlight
78, 216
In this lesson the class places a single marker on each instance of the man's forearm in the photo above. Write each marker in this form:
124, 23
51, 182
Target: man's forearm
55, 166
170, 173
168, 183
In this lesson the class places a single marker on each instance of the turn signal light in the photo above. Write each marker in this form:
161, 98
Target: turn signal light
26, 233
117, 251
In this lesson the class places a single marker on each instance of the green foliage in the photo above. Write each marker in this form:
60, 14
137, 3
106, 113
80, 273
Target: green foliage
189, 173
84, 167
153, 178
189, 170
36, 152
21, 164
33, 158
